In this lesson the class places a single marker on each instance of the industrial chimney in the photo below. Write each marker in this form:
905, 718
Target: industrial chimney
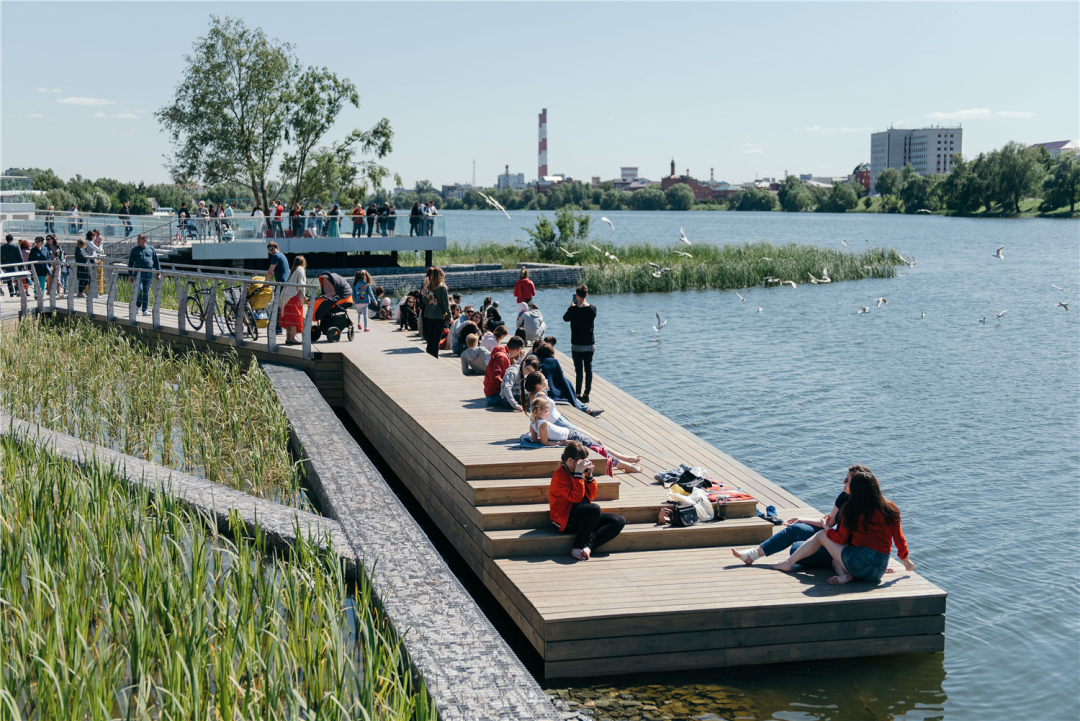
542, 164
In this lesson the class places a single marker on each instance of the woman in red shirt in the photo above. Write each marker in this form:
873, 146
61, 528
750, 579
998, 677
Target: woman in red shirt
570, 500
524, 290
860, 545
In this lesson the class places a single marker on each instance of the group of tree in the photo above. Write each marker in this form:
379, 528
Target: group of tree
994, 181
579, 195
247, 113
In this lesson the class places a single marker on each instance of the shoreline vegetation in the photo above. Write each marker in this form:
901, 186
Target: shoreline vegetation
718, 267
199, 413
117, 604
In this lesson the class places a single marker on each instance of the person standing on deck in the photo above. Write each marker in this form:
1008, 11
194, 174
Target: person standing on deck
73, 220
524, 289
50, 225
581, 316
357, 220
436, 310
277, 272
372, 213
125, 216
143, 258
9, 258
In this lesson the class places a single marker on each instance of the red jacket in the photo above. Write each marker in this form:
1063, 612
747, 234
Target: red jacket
567, 490
524, 290
877, 534
496, 369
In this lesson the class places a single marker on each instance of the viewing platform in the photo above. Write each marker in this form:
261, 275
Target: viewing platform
656, 598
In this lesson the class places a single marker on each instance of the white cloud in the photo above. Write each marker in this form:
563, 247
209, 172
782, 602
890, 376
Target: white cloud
126, 115
978, 114
753, 148
56, 90
35, 115
842, 129
85, 101
99, 114
753, 151
43, 90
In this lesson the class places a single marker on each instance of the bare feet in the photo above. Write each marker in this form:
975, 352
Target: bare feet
890, 570
633, 468
747, 557
840, 580
784, 566
579, 554
633, 459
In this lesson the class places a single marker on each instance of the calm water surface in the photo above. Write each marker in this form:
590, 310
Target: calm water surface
973, 428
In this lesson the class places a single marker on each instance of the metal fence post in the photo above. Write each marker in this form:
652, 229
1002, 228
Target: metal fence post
24, 306
54, 278
133, 306
310, 293
239, 314
211, 308
39, 292
181, 305
156, 320
72, 291
271, 327
91, 291
110, 299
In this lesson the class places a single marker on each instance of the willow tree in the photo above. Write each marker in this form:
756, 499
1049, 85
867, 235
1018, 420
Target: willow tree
228, 117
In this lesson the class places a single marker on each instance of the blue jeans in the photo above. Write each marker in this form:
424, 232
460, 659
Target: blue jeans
278, 232
794, 536
144, 290
497, 401
864, 563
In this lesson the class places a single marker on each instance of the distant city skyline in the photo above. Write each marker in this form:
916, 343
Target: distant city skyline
750, 90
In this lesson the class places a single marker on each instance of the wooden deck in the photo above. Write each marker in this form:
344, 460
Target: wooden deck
656, 598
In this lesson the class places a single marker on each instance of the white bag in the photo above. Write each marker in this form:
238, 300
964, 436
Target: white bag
704, 506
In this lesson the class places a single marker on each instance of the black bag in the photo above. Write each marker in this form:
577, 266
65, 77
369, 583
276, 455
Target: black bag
683, 516
696, 477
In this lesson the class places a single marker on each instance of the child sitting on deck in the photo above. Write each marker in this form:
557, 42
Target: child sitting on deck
474, 357
570, 504
542, 430
494, 338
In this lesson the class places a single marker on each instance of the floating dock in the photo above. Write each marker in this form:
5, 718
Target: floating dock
656, 598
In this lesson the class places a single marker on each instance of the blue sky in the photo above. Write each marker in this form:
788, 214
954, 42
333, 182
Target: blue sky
747, 89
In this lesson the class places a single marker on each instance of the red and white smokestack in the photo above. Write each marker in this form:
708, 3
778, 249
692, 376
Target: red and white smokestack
712, 178
542, 164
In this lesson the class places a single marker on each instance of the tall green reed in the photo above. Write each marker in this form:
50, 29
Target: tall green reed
195, 412
117, 605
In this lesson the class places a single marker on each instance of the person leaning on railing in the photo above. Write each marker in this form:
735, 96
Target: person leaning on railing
39, 256
143, 258
82, 272
10, 257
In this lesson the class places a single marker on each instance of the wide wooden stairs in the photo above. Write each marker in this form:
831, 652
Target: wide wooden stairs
656, 597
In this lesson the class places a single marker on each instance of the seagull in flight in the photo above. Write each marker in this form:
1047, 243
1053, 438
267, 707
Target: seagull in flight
910, 263
1062, 304
683, 238
568, 253
864, 309
814, 280
597, 249
997, 316
609, 223
999, 255
659, 323
740, 297
657, 271
764, 258
760, 310
825, 275
609, 255
495, 204
845, 243
880, 302
679, 252
1056, 287
788, 282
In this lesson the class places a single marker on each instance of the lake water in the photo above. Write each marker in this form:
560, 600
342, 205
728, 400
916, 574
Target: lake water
973, 429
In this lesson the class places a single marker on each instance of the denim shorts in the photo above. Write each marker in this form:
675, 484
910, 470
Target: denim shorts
864, 563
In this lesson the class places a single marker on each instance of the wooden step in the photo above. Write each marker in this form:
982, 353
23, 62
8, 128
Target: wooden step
634, 537
506, 491
537, 515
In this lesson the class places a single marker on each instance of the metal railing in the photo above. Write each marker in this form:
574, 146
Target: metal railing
21, 278
161, 229
157, 228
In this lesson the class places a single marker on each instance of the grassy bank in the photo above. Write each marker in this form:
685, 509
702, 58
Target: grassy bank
118, 607
712, 266
194, 412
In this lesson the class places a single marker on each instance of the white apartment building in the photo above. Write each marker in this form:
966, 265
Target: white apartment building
929, 150
514, 181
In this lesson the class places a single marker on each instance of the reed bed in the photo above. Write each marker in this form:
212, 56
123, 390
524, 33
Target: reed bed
726, 267
114, 605
200, 413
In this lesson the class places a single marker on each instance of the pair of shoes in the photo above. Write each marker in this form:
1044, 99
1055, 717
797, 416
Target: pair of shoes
367, 330
278, 331
359, 326
770, 515
583, 398
594, 412
292, 342
81, 295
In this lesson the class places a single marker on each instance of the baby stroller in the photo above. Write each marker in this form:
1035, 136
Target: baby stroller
330, 316
255, 313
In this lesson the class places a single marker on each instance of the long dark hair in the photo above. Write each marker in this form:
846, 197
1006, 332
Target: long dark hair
865, 499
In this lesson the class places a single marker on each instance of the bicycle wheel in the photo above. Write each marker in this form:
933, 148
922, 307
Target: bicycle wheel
193, 309
252, 326
229, 314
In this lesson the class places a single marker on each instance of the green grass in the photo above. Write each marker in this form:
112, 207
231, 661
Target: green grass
116, 606
712, 266
204, 414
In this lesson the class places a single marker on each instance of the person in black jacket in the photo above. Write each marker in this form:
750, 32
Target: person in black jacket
39, 255
581, 316
10, 254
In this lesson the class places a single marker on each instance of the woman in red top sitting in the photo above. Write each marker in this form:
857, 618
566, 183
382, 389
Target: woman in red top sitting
524, 290
572, 510
860, 545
